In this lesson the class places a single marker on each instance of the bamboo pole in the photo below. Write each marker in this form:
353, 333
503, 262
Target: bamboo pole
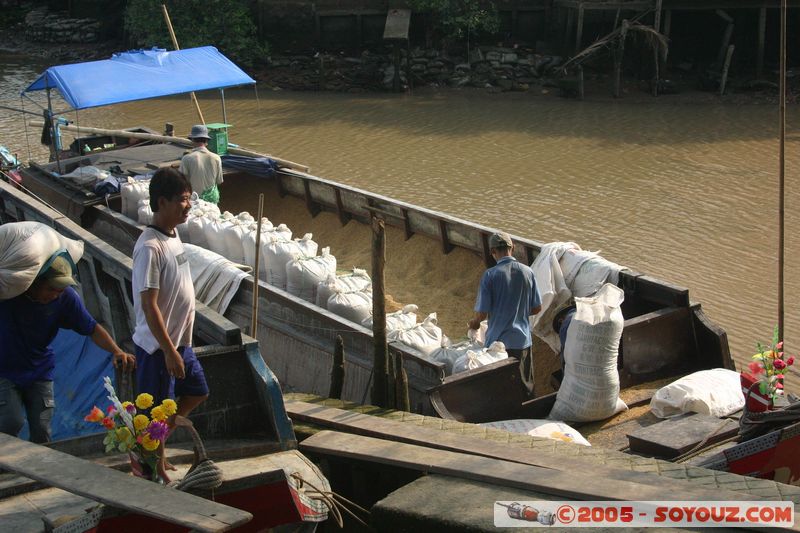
782, 172
656, 55
380, 383
175, 44
168, 139
337, 371
254, 322
402, 401
620, 52
725, 66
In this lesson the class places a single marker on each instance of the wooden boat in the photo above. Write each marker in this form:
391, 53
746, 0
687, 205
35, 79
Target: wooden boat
665, 334
244, 425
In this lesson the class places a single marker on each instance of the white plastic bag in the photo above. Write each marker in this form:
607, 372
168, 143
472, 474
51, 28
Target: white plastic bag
145, 214
548, 429
402, 319
24, 248
303, 274
716, 392
590, 390
279, 251
354, 306
481, 357
448, 355
426, 337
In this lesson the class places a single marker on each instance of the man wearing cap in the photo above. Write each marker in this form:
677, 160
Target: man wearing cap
508, 296
28, 324
201, 166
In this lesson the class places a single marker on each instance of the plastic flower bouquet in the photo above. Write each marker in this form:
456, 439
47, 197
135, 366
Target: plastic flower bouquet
767, 370
133, 432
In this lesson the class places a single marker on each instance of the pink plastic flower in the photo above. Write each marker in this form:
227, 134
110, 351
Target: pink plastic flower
779, 385
779, 346
755, 367
780, 364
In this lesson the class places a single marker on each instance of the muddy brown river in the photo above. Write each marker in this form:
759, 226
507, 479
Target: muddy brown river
681, 189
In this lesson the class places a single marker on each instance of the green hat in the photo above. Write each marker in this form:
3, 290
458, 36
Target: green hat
59, 274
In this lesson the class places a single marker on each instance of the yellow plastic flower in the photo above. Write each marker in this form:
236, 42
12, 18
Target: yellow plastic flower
140, 422
159, 413
144, 401
170, 407
124, 434
150, 444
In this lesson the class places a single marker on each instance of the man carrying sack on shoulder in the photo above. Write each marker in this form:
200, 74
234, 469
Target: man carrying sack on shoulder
202, 167
28, 324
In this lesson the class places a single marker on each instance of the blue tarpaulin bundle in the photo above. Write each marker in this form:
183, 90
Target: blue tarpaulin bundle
262, 167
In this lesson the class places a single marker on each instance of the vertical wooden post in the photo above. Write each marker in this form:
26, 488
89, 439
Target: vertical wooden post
256, 267
724, 77
656, 55
782, 171
762, 33
402, 401
396, 80
379, 384
667, 23
391, 382
579, 29
580, 82
623, 32
337, 370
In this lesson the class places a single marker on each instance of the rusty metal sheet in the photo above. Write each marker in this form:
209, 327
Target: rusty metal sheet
397, 23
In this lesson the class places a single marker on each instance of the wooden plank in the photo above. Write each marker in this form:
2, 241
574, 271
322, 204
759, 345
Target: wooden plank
406, 433
214, 327
489, 470
447, 246
116, 489
675, 436
344, 216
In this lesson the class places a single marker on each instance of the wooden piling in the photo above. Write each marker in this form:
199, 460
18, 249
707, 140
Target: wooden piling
579, 29
762, 32
623, 32
380, 383
724, 77
656, 55
337, 370
402, 401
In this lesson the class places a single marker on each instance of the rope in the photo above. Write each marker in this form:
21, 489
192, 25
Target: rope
336, 503
25, 122
203, 474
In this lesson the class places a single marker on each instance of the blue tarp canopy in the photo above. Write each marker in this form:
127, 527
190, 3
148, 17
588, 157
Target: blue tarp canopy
141, 74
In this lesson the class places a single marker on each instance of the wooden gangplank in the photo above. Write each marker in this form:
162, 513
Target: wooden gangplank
116, 489
399, 432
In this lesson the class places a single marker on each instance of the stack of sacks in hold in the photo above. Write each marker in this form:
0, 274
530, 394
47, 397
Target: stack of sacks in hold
200, 217
448, 355
425, 337
590, 389
215, 278
351, 281
403, 319
215, 232
352, 305
24, 249
131, 193
280, 251
233, 236
268, 234
303, 274
483, 356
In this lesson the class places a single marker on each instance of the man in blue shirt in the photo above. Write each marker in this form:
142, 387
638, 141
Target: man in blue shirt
28, 324
508, 296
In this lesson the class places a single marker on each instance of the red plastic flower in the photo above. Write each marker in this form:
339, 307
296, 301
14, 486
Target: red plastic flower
790, 361
108, 423
780, 364
95, 415
755, 367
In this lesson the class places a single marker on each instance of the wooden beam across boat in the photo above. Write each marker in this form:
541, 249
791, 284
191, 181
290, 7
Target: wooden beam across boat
399, 432
116, 489
566, 484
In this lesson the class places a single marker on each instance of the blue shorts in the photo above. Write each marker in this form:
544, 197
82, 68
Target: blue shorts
152, 376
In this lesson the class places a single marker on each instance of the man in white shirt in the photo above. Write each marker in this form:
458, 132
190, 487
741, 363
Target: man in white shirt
163, 299
202, 167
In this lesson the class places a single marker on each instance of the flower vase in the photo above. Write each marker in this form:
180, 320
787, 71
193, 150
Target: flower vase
142, 468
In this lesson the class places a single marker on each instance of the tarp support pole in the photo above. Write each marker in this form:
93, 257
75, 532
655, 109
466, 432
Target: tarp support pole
175, 44
54, 135
224, 111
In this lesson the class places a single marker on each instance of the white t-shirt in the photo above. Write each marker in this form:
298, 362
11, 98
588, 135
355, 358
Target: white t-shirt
160, 262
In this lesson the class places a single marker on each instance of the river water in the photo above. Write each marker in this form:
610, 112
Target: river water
684, 190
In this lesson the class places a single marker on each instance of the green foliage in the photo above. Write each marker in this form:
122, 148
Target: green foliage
457, 19
226, 24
